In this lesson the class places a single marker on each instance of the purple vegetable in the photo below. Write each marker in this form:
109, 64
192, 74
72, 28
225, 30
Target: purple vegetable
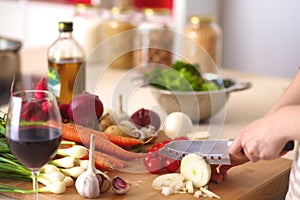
86, 109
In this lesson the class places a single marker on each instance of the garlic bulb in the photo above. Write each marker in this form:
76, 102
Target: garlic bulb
120, 115
88, 183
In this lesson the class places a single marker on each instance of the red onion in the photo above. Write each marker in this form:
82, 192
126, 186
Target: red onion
86, 109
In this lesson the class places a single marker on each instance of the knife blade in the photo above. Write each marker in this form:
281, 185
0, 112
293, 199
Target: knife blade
213, 151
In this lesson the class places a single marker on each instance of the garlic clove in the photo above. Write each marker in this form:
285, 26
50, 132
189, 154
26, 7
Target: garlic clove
106, 182
120, 186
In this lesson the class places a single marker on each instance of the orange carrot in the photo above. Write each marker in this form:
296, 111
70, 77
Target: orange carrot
102, 164
114, 162
123, 141
82, 136
118, 140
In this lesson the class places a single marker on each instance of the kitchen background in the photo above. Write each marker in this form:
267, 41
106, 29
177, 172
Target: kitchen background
259, 36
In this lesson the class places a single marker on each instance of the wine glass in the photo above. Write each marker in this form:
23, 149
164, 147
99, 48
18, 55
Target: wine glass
33, 129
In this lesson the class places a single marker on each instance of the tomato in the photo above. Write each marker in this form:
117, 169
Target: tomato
171, 165
149, 156
153, 165
162, 157
166, 141
182, 138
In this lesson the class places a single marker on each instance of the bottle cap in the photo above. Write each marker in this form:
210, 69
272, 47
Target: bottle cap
65, 26
196, 19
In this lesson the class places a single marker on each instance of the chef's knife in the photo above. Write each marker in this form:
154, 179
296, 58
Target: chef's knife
213, 151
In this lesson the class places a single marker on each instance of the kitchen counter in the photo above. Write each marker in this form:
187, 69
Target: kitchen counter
262, 180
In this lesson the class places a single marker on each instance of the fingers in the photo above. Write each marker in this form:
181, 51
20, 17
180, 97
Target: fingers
236, 148
219, 173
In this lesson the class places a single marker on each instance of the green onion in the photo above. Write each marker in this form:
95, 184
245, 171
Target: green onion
6, 188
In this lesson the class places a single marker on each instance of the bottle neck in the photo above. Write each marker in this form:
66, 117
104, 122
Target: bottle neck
65, 34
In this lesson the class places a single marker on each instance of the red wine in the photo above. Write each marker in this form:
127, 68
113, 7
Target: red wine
34, 146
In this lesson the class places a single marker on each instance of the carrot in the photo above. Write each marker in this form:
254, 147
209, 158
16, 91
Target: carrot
102, 164
114, 162
123, 141
72, 133
116, 139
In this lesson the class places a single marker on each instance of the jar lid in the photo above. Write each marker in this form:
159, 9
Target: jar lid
156, 11
65, 26
197, 19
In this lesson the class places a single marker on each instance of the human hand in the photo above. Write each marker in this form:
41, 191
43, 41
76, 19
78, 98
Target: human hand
263, 139
219, 172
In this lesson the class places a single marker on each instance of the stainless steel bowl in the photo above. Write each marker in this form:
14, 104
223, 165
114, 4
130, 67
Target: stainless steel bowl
198, 106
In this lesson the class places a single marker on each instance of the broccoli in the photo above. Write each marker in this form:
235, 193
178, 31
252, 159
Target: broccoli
180, 77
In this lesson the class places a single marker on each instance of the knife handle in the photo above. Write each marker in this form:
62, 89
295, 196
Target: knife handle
289, 146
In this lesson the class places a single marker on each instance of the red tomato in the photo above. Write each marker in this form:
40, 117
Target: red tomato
171, 165
149, 156
182, 138
153, 165
152, 150
166, 141
162, 157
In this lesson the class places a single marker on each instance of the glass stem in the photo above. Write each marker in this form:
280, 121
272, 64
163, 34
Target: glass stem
35, 183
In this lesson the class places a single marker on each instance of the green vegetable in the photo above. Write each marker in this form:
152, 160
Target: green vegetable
181, 77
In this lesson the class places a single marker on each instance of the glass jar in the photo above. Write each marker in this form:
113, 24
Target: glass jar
206, 36
154, 39
88, 21
119, 47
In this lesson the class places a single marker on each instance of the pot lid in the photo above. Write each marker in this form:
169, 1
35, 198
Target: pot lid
7, 44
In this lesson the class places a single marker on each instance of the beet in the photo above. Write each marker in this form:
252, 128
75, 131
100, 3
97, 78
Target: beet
29, 108
144, 117
85, 109
41, 85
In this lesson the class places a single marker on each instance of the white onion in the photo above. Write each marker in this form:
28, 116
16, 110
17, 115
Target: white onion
177, 124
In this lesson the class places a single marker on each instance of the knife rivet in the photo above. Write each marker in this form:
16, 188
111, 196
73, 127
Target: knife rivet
211, 157
219, 158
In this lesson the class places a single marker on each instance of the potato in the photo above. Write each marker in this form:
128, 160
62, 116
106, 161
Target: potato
115, 130
106, 121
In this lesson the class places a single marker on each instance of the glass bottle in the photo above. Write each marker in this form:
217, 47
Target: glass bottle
66, 66
87, 27
206, 36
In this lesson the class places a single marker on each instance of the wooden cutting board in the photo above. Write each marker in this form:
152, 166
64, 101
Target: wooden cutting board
251, 181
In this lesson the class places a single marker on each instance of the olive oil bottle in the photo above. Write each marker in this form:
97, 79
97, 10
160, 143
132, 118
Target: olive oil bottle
66, 66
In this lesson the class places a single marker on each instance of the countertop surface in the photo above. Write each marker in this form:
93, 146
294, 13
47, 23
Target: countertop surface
241, 108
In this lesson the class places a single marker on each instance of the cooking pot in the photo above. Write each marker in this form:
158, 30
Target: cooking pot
9, 66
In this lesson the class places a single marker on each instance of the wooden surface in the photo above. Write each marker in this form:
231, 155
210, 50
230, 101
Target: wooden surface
252, 181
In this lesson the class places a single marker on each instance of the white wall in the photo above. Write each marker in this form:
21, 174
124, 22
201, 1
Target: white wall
34, 23
262, 36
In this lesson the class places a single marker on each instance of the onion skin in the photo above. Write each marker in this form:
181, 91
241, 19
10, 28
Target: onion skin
119, 186
86, 109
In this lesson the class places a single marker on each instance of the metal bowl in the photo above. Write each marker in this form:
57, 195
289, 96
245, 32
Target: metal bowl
198, 106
